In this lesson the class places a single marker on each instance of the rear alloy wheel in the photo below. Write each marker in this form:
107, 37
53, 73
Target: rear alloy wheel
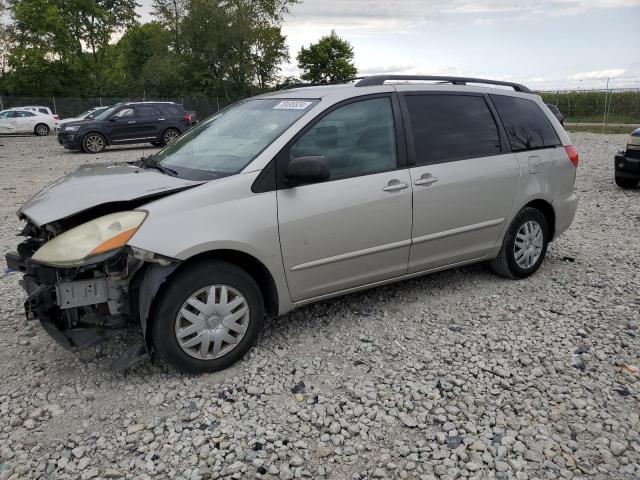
626, 182
41, 130
170, 135
524, 246
93, 143
207, 317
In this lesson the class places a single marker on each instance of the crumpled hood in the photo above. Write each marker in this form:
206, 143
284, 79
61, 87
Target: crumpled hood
93, 185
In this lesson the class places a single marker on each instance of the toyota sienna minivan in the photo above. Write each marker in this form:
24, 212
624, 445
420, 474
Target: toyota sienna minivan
290, 198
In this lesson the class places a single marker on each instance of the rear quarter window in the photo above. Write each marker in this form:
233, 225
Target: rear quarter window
43, 110
174, 110
527, 127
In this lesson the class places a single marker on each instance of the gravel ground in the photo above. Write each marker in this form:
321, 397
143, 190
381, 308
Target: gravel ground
460, 374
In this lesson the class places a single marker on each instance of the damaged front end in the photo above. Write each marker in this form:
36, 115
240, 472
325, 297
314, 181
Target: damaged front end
83, 302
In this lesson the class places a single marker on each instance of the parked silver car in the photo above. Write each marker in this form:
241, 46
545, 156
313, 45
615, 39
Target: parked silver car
294, 197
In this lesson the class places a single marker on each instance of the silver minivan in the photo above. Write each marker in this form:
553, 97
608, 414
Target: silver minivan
290, 198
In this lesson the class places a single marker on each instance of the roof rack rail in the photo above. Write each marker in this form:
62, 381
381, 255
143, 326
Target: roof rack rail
381, 79
322, 84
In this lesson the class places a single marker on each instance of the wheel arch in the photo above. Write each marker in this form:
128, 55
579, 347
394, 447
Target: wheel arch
35, 127
153, 281
250, 264
548, 211
102, 134
170, 127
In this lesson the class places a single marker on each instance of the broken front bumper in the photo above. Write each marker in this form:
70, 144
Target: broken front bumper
76, 312
82, 306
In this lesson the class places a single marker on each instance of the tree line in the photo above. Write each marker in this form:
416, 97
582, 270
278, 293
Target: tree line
228, 48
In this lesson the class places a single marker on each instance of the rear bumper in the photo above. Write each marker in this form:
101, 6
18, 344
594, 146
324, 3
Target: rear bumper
565, 209
627, 166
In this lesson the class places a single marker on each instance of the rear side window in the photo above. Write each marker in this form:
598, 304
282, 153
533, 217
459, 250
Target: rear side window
174, 110
146, 111
451, 127
27, 114
527, 127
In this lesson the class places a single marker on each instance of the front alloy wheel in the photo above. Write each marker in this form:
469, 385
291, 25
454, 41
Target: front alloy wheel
41, 130
93, 143
207, 316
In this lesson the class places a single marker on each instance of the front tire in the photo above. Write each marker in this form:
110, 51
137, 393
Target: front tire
41, 130
524, 246
626, 182
93, 143
207, 317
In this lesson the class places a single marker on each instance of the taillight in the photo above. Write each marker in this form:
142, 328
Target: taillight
56, 117
573, 155
187, 118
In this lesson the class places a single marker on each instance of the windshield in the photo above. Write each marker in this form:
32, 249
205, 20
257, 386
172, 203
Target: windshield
94, 112
106, 114
229, 140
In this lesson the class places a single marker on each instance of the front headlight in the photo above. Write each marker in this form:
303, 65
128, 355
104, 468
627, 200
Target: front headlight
72, 128
76, 246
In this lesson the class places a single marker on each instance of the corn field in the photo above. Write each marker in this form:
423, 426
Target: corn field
597, 106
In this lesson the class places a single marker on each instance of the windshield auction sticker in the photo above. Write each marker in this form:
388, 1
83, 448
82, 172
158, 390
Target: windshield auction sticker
292, 105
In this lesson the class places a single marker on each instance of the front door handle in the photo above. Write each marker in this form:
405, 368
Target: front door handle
131, 121
426, 179
395, 185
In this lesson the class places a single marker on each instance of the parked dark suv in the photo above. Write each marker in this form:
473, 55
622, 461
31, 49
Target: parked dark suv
157, 123
556, 112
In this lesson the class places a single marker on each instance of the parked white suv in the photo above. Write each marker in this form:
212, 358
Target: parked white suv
42, 110
294, 197
25, 121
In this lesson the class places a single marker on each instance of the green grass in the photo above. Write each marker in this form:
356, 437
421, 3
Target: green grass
608, 129
598, 119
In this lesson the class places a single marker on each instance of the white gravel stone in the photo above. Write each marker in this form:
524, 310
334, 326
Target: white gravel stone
459, 374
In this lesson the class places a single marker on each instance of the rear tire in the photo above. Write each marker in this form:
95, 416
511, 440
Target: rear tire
93, 143
169, 135
41, 130
198, 331
626, 182
524, 246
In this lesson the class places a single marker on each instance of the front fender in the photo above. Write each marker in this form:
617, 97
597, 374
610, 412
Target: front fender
223, 214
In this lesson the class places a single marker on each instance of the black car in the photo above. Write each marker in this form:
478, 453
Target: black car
157, 123
556, 112
627, 163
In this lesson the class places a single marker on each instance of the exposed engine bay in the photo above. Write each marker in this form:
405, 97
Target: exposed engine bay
82, 306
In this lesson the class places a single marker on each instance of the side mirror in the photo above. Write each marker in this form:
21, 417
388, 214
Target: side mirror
112, 119
307, 170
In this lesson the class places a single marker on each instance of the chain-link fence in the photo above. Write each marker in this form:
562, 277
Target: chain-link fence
72, 106
597, 106
581, 106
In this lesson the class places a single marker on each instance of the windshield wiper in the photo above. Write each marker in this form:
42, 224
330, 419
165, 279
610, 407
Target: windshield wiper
150, 162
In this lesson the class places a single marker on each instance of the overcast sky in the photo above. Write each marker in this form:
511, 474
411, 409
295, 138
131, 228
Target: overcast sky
542, 43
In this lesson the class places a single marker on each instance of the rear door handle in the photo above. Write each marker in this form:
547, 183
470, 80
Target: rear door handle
394, 186
160, 119
131, 121
426, 179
